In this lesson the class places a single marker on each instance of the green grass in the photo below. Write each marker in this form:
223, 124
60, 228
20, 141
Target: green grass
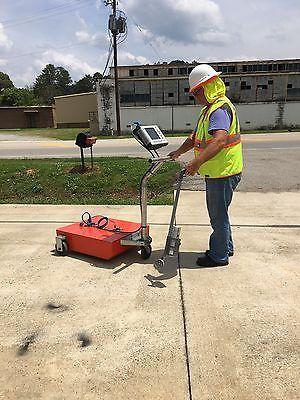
51, 133
114, 180
71, 133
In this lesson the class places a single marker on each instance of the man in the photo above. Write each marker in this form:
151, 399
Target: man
218, 157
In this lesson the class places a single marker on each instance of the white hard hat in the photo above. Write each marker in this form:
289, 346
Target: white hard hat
200, 75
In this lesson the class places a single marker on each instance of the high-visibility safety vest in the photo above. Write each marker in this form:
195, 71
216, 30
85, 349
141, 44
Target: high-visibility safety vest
229, 161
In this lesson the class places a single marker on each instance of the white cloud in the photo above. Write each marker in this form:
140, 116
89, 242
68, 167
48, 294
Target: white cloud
82, 36
69, 61
2, 62
82, 21
99, 40
180, 20
26, 76
128, 58
210, 36
5, 42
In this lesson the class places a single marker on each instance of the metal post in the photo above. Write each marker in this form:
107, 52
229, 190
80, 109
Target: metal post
115, 33
82, 159
92, 160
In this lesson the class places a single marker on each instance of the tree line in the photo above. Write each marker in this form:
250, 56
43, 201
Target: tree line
52, 81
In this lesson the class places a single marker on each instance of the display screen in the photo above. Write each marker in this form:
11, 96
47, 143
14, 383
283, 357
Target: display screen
152, 133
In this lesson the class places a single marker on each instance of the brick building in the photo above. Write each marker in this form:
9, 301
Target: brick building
27, 117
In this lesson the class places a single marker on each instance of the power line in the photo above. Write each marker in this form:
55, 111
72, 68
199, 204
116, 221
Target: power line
40, 12
45, 14
50, 48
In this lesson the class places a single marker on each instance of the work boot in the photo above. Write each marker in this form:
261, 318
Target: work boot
230, 254
207, 261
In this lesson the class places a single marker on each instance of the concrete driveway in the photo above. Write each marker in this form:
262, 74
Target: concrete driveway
79, 328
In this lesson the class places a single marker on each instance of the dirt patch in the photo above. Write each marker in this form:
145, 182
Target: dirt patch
79, 170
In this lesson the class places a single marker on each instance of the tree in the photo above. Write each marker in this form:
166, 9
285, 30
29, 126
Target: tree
97, 77
5, 81
53, 81
17, 97
84, 85
177, 62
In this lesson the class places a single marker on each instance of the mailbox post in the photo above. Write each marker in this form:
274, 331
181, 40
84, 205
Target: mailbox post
85, 140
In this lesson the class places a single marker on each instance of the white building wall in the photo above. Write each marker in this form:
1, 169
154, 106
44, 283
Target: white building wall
161, 116
184, 118
257, 115
291, 116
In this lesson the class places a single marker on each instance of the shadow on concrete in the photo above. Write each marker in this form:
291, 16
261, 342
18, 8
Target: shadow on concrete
186, 260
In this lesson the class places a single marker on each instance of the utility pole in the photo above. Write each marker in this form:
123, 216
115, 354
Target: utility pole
116, 27
117, 95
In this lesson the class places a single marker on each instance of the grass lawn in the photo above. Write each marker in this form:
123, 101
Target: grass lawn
114, 180
71, 133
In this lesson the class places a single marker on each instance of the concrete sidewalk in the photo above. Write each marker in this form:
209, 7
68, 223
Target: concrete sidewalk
80, 328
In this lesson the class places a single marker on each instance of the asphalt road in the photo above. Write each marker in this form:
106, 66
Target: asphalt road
272, 161
129, 147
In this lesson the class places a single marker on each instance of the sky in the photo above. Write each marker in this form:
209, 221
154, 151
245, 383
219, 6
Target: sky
73, 33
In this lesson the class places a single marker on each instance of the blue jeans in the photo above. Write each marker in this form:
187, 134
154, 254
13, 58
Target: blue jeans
219, 194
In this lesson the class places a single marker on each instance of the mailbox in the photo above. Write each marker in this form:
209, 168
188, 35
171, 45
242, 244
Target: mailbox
85, 139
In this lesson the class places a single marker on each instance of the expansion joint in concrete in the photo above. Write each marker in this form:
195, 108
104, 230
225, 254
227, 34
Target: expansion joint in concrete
183, 308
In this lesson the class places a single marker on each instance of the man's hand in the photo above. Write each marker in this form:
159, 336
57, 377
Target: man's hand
174, 154
193, 166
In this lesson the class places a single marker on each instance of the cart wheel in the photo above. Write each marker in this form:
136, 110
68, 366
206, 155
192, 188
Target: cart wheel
146, 252
159, 265
64, 251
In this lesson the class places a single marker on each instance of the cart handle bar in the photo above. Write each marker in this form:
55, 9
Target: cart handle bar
160, 159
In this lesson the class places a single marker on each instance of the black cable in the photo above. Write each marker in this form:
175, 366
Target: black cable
102, 224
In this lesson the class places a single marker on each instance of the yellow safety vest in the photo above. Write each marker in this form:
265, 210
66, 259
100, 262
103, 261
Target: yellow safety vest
229, 161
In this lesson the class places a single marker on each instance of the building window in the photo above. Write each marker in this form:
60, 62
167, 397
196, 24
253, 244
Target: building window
127, 98
186, 90
270, 82
170, 71
135, 97
170, 94
289, 86
245, 68
244, 86
296, 67
146, 72
155, 72
232, 68
262, 86
182, 71
131, 72
227, 84
190, 69
281, 67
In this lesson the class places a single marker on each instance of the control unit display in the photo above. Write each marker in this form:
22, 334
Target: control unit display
152, 137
